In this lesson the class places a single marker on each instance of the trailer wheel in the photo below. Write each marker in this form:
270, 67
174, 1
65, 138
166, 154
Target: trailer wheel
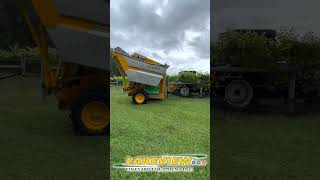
139, 97
90, 114
184, 91
238, 93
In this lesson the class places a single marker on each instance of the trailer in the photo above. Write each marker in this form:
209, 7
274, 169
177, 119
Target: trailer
186, 88
80, 33
239, 86
147, 79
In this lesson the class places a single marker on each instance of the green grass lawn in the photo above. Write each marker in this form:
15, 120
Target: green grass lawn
170, 127
37, 139
264, 146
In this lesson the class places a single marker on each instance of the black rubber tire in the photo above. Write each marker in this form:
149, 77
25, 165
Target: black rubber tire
184, 91
76, 110
138, 92
244, 93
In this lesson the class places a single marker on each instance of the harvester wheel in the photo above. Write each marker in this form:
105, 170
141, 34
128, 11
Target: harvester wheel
90, 114
184, 91
140, 97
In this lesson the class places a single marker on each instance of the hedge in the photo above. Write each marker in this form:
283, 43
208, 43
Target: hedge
199, 79
301, 52
15, 52
257, 51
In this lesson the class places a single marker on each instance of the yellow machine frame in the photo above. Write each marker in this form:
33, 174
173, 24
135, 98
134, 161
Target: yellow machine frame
67, 84
132, 87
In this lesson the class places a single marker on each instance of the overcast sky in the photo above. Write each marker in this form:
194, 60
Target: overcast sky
302, 16
176, 32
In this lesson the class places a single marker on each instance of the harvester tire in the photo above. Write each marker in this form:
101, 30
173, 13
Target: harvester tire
90, 114
140, 97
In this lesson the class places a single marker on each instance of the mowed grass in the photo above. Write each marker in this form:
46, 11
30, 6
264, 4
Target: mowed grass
37, 140
171, 127
266, 146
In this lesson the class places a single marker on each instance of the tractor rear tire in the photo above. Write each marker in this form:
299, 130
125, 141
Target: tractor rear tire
238, 93
140, 97
90, 114
184, 91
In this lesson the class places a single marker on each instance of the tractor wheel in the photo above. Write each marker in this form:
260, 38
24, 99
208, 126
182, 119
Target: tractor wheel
139, 97
238, 93
184, 91
90, 114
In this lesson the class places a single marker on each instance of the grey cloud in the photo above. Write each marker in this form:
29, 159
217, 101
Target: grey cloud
200, 45
136, 27
156, 55
272, 14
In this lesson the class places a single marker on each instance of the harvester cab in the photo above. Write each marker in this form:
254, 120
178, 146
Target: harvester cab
80, 32
143, 78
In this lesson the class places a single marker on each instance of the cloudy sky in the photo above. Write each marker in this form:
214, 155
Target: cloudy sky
261, 14
176, 32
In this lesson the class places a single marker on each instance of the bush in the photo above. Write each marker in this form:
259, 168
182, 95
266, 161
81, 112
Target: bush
15, 52
115, 78
257, 51
245, 49
204, 80
200, 79
118, 79
187, 77
301, 52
